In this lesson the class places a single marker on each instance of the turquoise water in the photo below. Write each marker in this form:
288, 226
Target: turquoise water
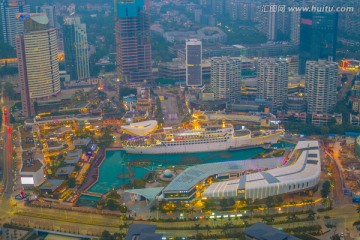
113, 170
116, 161
87, 201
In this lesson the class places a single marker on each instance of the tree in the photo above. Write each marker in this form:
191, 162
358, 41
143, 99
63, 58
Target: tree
112, 204
311, 215
71, 183
269, 202
105, 139
197, 227
102, 95
7, 51
114, 195
208, 229
226, 227
139, 183
358, 210
279, 200
324, 130
223, 203
158, 113
106, 235
9, 90
325, 189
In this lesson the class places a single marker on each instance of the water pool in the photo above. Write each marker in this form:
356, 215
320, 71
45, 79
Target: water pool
113, 170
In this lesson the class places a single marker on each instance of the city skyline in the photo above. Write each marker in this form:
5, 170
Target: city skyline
181, 119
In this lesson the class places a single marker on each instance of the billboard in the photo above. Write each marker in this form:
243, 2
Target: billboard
27, 180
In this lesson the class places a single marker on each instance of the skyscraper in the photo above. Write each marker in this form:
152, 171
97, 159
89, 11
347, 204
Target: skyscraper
11, 24
318, 36
218, 7
133, 49
273, 81
226, 78
37, 62
193, 62
76, 49
267, 24
50, 13
295, 28
320, 86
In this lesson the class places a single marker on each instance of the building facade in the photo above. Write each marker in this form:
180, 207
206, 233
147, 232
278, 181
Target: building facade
226, 78
193, 63
318, 36
76, 49
50, 13
38, 63
11, 21
320, 86
272, 81
133, 49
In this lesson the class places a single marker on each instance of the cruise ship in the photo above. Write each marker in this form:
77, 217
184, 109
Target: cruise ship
206, 139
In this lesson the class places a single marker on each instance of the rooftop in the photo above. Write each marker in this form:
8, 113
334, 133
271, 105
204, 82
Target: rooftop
73, 157
261, 231
306, 163
193, 175
31, 166
62, 130
82, 141
134, 114
51, 184
26, 132
142, 232
65, 170
52, 143
148, 193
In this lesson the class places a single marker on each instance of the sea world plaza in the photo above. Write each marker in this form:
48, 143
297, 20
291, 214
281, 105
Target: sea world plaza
245, 179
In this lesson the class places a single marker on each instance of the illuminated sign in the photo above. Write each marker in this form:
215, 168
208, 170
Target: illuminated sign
27, 180
23, 15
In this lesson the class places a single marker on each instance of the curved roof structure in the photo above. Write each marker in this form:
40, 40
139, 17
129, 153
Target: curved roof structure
195, 174
301, 172
140, 128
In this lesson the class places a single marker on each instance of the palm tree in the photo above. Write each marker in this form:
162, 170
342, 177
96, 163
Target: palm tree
358, 210
226, 227
251, 211
311, 215
327, 202
293, 203
208, 229
197, 228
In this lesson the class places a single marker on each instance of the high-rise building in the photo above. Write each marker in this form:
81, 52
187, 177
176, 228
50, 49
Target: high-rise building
273, 81
295, 28
193, 62
38, 62
267, 24
133, 49
50, 13
76, 49
218, 7
226, 78
10, 19
318, 36
320, 86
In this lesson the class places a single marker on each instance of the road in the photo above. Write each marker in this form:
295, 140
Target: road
90, 223
7, 183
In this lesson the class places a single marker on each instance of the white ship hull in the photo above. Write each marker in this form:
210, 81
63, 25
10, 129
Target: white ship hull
232, 143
